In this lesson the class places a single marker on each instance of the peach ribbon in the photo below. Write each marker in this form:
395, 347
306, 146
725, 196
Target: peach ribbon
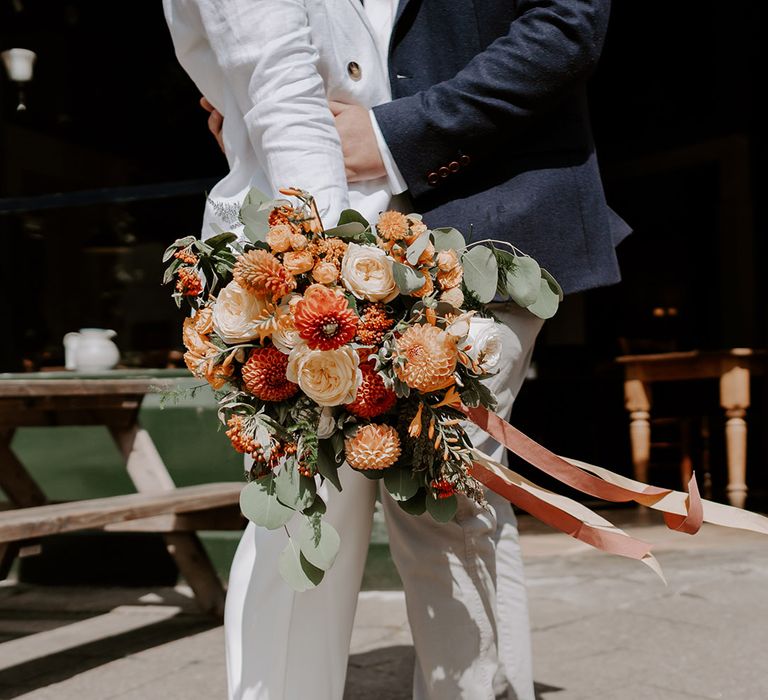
682, 512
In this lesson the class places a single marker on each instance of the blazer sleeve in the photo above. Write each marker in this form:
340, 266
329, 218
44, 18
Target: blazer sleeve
551, 46
264, 50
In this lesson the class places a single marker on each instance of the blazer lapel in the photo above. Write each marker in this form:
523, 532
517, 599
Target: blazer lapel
400, 9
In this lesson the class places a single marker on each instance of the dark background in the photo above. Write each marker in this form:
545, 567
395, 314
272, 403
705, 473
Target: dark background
112, 158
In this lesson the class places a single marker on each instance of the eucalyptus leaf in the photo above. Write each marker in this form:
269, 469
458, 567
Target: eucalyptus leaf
554, 285
352, 229
170, 271
448, 239
481, 272
317, 508
350, 215
255, 223
259, 503
524, 281
319, 542
400, 483
416, 248
221, 239
297, 572
292, 489
327, 462
416, 505
408, 280
442, 509
546, 303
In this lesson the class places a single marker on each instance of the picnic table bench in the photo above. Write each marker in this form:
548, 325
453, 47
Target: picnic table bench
112, 400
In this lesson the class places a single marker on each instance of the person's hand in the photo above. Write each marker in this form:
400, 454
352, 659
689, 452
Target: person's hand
215, 121
362, 159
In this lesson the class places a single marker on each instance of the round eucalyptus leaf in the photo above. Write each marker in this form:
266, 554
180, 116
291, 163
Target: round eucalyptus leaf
442, 509
554, 285
546, 303
523, 281
481, 272
319, 542
416, 248
292, 489
400, 483
297, 572
415, 505
448, 239
259, 503
408, 280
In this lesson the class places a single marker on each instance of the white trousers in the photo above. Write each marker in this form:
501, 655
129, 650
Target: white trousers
463, 582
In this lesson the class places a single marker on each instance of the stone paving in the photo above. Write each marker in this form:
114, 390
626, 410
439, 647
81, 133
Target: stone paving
603, 629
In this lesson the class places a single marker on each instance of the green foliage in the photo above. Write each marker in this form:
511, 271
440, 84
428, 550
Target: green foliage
296, 570
448, 239
319, 542
480, 272
259, 503
408, 280
416, 248
328, 463
442, 509
401, 482
350, 215
417, 504
292, 489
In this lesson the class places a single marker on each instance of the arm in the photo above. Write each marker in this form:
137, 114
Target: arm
551, 47
264, 49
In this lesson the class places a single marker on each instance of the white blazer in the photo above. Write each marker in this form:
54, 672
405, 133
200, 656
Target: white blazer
270, 67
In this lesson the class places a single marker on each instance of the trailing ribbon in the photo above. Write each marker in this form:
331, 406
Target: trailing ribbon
682, 512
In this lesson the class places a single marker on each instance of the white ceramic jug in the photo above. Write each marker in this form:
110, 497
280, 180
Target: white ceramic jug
90, 350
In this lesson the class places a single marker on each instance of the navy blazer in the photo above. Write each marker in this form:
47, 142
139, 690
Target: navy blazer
490, 129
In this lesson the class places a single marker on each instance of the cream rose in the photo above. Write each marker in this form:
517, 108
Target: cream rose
235, 314
366, 271
485, 338
328, 377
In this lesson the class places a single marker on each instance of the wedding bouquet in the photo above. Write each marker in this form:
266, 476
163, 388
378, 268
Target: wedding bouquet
350, 344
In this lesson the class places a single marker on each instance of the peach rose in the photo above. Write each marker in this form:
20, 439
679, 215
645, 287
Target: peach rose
299, 241
453, 296
366, 271
279, 238
325, 273
328, 377
298, 261
447, 260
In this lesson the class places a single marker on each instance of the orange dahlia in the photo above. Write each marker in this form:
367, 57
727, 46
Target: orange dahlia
392, 226
323, 318
430, 356
374, 323
373, 447
264, 375
262, 274
373, 398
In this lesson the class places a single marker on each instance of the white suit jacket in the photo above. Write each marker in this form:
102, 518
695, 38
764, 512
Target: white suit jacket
270, 67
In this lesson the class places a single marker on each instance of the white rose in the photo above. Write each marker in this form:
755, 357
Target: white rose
235, 314
485, 338
328, 377
366, 271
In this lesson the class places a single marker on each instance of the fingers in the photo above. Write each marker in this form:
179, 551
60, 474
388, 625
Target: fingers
207, 106
215, 122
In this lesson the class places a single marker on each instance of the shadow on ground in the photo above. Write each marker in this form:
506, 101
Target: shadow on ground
386, 674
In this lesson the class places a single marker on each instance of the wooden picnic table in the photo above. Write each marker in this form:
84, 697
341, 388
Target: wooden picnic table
113, 400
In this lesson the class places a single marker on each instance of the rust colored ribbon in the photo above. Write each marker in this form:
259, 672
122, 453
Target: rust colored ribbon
572, 475
609, 541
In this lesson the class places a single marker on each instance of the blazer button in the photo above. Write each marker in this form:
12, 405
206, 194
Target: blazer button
454, 166
464, 161
433, 178
443, 172
354, 71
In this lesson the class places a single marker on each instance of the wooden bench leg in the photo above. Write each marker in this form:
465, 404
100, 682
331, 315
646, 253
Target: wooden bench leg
149, 474
196, 567
21, 489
